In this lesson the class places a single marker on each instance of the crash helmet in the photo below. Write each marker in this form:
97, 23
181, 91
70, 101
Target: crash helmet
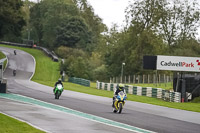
121, 86
59, 80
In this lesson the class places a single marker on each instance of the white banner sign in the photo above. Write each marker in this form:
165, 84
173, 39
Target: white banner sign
178, 63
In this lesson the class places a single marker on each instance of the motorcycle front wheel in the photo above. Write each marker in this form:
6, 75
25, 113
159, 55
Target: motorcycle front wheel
56, 95
120, 107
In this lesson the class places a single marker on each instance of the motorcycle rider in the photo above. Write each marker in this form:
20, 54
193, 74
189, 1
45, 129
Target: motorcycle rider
15, 53
14, 72
118, 88
58, 82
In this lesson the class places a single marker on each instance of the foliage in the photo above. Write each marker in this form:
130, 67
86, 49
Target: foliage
73, 32
12, 20
154, 27
174, 20
66, 23
66, 52
196, 100
80, 68
46, 16
130, 47
76, 62
79, 63
100, 73
94, 22
187, 47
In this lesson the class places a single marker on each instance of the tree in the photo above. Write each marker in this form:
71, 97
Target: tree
47, 15
73, 32
137, 40
36, 22
179, 20
143, 13
77, 67
173, 19
12, 20
93, 21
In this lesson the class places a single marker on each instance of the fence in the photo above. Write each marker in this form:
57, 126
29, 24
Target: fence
79, 81
143, 91
16, 44
49, 53
148, 78
45, 50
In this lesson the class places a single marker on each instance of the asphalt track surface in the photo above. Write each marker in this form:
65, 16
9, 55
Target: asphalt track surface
145, 116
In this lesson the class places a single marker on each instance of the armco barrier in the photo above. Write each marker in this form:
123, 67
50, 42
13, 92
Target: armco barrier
144, 91
81, 81
49, 53
15, 44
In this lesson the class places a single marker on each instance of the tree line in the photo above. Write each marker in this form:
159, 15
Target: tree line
90, 49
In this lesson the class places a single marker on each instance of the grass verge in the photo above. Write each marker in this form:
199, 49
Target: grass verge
10, 125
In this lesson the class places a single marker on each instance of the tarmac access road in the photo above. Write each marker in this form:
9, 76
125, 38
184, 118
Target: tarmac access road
82, 111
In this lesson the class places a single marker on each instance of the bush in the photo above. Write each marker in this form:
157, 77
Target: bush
66, 52
100, 73
196, 100
81, 64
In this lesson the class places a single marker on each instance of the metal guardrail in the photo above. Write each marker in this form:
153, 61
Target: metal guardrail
49, 53
16, 44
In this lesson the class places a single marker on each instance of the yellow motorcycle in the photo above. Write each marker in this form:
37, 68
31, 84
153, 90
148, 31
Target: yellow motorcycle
119, 102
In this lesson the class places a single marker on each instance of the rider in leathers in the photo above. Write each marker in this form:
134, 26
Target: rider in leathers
119, 88
58, 82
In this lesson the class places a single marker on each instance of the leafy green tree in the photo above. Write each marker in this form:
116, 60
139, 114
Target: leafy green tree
73, 32
174, 20
100, 73
188, 47
66, 52
77, 67
143, 13
36, 22
47, 15
94, 23
11, 19
138, 39
179, 21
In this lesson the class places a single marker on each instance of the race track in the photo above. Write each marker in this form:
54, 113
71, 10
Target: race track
144, 116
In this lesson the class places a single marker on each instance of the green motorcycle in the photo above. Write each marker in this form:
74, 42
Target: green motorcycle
58, 91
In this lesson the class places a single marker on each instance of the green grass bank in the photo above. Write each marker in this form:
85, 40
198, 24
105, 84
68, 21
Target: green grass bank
11, 125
